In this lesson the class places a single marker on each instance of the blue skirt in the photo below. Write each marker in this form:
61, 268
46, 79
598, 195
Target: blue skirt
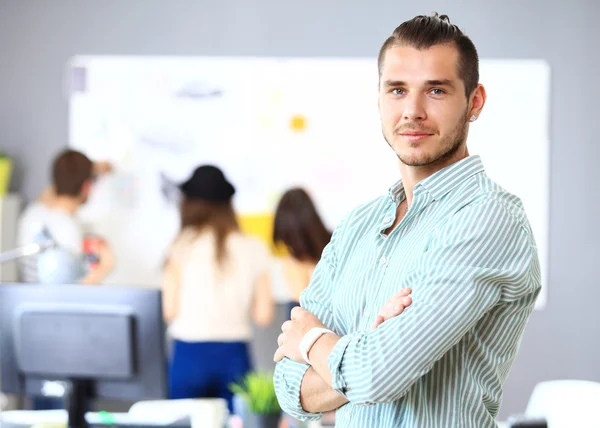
206, 369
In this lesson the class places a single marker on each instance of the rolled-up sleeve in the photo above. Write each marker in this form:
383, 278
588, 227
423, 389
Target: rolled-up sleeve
288, 380
317, 300
482, 255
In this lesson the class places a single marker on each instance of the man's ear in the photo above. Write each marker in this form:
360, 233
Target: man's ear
477, 101
86, 187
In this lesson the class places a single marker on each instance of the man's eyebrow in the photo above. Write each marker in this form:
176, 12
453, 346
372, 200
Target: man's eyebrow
394, 83
433, 82
441, 82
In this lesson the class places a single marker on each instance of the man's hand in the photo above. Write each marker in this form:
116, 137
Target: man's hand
292, 333
106, 258
102, 168
106, 264
394, 307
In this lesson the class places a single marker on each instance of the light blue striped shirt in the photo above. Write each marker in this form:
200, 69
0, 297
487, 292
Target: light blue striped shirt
466, 249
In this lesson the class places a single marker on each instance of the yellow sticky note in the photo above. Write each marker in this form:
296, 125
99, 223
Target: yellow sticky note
261, 226
298, 123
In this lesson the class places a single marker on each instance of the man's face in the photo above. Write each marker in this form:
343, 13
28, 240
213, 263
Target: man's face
422, 104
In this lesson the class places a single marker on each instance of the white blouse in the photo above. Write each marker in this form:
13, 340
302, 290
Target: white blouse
215, 301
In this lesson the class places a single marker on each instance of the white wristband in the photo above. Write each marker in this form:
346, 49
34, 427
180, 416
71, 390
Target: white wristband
309, 340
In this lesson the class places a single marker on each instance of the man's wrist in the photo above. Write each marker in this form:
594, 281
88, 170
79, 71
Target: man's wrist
319, 355
309, 339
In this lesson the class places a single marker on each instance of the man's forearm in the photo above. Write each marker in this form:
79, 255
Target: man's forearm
319, 354
316, 396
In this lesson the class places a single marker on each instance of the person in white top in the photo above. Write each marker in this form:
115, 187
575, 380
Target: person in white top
215, 283
73, 176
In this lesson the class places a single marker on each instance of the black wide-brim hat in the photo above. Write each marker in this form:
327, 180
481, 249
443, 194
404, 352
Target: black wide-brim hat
208, 183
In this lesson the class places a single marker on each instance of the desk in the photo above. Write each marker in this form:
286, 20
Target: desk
58, 418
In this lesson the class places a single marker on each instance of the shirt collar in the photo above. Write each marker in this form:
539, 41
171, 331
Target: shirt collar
396, 192
443, 181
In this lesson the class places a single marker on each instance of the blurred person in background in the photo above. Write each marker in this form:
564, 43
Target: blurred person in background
299, 228
73, 177
215, 283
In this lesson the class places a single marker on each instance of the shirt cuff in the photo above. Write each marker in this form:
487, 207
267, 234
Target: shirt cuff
334, 362
288, 381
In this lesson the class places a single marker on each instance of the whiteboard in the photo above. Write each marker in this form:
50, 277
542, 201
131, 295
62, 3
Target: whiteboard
270, 124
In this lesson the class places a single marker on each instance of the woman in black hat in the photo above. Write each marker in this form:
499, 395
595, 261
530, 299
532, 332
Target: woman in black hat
215, 283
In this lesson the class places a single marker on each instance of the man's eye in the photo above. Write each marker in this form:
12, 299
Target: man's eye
437, 91
398, 91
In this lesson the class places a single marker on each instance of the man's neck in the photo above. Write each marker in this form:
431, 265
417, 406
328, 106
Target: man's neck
411, 175
68, 204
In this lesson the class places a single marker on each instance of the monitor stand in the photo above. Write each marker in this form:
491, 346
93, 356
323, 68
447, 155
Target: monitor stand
78, 402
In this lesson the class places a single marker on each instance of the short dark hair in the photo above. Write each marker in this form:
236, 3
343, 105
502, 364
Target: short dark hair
71, 169
423, 32
299, 227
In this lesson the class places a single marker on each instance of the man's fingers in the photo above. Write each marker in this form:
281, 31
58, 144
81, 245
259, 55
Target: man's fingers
403, 292
280, 339
295, 313
398, 303
378, 320
286, 326
395, 307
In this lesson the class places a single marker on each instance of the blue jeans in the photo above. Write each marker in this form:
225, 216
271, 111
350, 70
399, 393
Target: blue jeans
206, 369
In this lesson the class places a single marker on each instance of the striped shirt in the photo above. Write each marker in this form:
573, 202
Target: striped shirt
466, 249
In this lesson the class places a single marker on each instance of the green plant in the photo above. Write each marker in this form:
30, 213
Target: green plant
258, 391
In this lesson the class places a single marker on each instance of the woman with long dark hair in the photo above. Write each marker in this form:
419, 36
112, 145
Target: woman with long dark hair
215, 283
300, 229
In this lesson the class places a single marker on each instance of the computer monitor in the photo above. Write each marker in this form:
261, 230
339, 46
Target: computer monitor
95, 341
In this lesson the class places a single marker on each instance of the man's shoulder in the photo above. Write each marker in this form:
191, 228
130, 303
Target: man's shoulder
33, 210
67, 230
30, 221
482, 190
63, 219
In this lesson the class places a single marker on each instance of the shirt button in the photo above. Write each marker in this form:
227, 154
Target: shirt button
382, 260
